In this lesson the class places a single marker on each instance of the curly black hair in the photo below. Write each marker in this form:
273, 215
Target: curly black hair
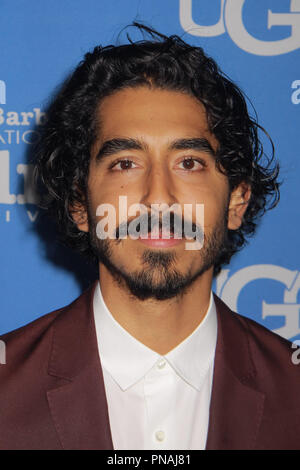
163, 62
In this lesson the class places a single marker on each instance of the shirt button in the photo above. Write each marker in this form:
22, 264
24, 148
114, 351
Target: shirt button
159, 435
161, 363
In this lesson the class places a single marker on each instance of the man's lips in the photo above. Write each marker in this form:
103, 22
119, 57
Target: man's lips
158, 235
160, 239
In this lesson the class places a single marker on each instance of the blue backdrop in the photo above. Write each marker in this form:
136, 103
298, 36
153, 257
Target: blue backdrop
256, 42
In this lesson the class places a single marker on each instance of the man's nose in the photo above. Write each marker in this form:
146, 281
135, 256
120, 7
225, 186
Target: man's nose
158, 187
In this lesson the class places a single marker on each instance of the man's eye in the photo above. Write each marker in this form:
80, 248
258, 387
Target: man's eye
122, 165
191, 164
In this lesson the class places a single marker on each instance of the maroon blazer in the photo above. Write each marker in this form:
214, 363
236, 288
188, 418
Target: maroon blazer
52, 393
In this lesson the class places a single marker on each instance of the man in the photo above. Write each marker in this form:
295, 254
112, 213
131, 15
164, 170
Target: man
148, 357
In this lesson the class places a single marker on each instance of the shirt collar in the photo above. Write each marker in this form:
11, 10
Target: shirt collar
128, 360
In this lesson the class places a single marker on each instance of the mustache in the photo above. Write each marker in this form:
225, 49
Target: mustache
171, 223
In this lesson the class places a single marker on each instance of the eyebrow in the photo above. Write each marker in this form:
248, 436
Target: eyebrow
110, 147
197, 143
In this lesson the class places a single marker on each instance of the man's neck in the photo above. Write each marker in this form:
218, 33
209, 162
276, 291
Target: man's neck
159, 324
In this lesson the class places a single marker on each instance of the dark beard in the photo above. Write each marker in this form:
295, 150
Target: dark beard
158, 279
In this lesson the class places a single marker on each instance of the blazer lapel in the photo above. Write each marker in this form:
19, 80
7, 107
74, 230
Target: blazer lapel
236, 405
78, 404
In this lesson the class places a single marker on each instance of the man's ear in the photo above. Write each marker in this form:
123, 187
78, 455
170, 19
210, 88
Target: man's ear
239, 200
79, 214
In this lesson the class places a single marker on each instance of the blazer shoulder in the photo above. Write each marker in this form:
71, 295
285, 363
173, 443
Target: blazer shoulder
45, 321
30, 343
274, 359
34, 328
35, 338
265, 339
254, 330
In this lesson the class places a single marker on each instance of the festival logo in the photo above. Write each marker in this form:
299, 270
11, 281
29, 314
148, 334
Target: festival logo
2, 92
17, 128
229, 289
231, 21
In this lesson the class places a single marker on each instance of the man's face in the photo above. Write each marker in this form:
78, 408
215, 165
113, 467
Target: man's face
154, 147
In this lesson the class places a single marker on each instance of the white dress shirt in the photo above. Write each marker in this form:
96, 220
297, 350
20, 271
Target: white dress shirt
156, 402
